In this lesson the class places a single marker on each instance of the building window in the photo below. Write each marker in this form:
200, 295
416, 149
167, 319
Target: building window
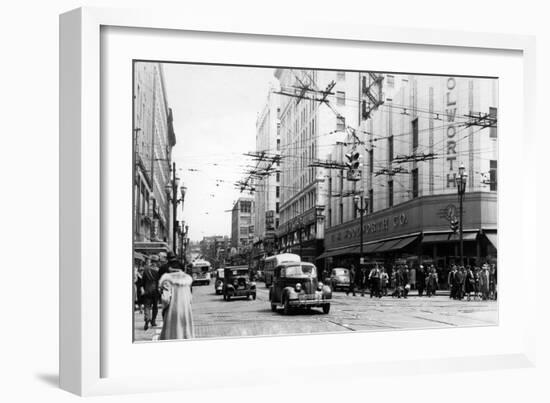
276, 223
493, 175
415, 133
277, 207
340, 98
278, 144
371, 200
493, 114
340, 75
390, 193
390, 80
415, 183
278, 177
390, 148
341, 213
340, 123
277, 191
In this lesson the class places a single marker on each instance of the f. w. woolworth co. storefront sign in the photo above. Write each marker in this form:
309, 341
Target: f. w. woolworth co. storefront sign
422, 214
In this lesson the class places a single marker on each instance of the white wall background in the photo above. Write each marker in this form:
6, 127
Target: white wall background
29, 202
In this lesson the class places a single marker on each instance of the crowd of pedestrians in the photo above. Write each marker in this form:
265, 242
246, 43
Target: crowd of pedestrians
464, 282
162, 280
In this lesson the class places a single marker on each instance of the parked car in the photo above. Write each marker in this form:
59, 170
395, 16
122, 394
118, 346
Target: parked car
339, 278
237, 283
218, 284
295, 285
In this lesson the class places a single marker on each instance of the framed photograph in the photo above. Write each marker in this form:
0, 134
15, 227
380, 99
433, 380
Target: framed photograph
241, 198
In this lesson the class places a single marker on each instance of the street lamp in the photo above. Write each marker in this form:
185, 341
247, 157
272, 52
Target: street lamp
171, 189
461, 186
361, 207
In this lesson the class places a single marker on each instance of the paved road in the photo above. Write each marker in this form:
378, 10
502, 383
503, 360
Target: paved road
215, 317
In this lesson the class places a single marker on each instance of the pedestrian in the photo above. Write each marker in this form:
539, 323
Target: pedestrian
374, 281
170, 263
452, 283
352, 276
477, 286
432, 282
176, 296
412, 277
138, 296
393, 280
149, 285
384, 282
406, 281
420, 280
469, 283
484, 284
401, 280
460, 279
493, 282
363, 280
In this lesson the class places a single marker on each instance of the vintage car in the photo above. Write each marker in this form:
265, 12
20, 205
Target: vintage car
295, 285
218, 284
237, 283
339, 278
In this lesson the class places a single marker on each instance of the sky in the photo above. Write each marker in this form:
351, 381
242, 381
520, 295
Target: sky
215, 110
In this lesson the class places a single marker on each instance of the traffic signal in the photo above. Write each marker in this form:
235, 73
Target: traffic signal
454, 224
353, 164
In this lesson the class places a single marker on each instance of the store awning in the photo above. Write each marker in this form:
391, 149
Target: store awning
466, 236
338, 252
492, 237
448, 237
387, 245
432, 238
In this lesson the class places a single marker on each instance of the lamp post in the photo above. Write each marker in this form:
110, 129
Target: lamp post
461, 186
361, 207
172, 192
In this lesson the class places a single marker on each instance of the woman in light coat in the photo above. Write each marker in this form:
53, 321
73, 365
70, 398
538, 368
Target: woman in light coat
175, 288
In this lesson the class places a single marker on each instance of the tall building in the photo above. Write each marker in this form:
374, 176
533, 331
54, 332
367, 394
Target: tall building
412, 147
307, 128
154, 139
268, 183
242, 224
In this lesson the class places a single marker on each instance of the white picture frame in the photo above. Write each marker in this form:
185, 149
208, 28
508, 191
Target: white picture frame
83, 339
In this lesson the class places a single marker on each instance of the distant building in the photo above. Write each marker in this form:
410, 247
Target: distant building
242, 223
154, 139
268, 185
214, 249
307, 129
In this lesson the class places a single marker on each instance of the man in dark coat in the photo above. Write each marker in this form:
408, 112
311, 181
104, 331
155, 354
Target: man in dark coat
451, 280
149, 285
420, 280
352, 279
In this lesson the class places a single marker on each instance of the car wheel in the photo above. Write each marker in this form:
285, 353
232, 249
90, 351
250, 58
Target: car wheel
273, 307
228, 297
326, 308
254, 296
286, 306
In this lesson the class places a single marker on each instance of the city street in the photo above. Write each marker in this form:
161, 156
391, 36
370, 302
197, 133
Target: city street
215, 317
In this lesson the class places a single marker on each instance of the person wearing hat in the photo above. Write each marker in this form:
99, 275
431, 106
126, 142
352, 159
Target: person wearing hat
484, 282
171, 264
175, 287
149, 284
420, 280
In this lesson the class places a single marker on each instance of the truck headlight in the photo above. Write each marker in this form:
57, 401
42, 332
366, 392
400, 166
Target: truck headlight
320, 286
298, 287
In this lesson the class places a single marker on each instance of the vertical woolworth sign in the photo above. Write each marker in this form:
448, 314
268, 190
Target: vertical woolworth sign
451, 132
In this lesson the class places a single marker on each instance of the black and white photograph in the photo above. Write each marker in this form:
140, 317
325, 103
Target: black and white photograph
272, 201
